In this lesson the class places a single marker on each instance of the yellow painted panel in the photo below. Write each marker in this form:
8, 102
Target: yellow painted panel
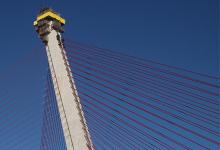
50, 14
35, 23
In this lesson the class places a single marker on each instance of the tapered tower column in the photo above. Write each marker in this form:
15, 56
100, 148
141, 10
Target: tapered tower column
49, 27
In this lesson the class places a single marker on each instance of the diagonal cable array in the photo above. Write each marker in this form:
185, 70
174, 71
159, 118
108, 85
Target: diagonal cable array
132, 103
18, 129
19, 112
52, 136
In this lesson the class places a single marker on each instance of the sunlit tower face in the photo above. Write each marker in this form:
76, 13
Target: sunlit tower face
49, 26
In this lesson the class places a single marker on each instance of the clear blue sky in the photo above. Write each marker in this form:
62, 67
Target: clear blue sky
182, 33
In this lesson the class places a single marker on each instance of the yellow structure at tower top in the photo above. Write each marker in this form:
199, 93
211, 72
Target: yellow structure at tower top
49, 14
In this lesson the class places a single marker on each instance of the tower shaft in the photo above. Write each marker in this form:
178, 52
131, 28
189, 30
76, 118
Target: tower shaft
76, 132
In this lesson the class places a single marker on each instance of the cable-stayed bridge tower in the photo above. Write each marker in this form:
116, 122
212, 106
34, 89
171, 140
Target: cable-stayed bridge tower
129, 102
49, 26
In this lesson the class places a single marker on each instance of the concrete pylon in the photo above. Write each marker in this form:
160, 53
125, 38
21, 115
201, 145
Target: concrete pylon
49, 27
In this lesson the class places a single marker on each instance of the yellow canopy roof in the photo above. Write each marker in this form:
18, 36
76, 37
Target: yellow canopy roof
51, 14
